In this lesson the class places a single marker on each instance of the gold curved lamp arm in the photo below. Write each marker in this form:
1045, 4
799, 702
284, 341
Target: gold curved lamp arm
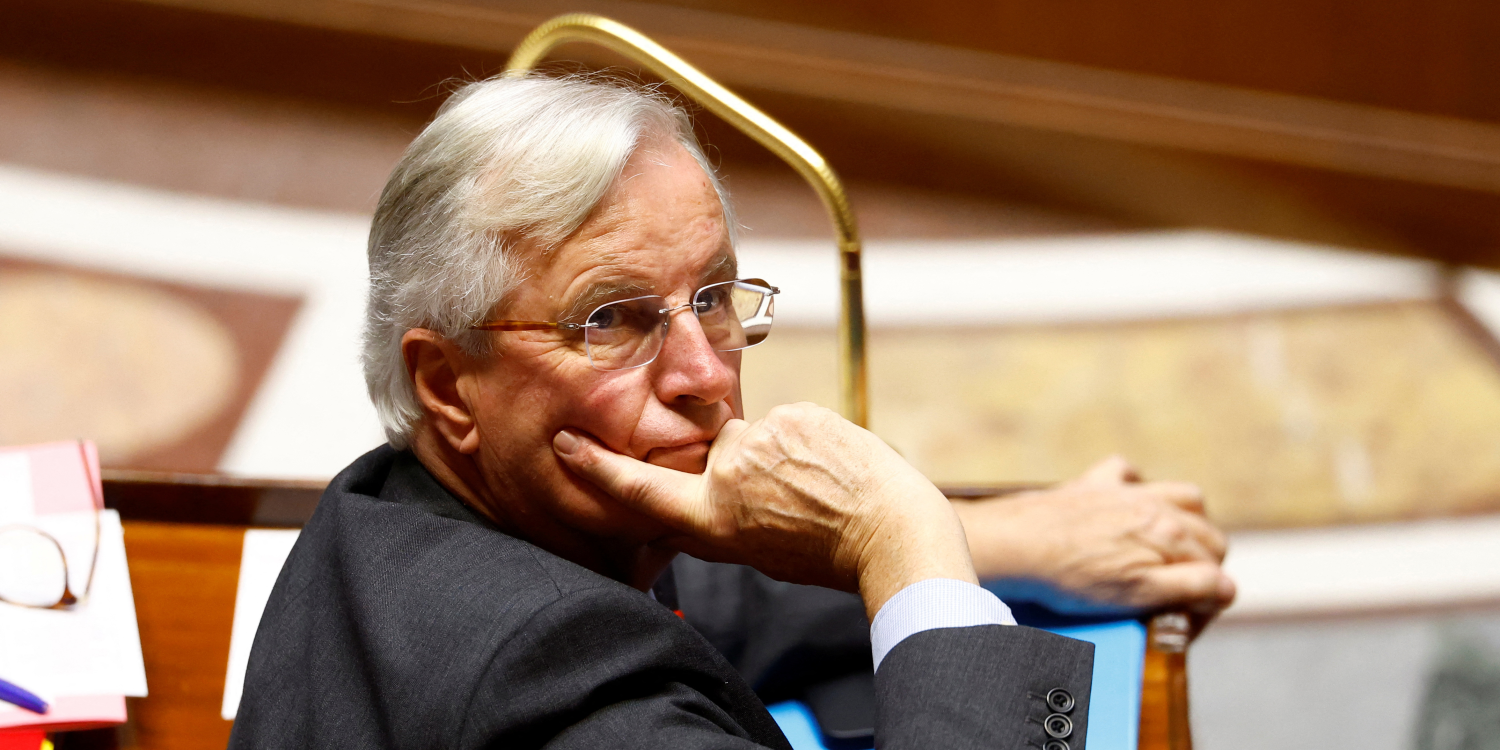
584, 27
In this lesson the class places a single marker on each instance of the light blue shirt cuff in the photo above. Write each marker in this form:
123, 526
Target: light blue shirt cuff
934, 603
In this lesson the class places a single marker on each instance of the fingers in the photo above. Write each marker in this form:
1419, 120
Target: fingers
1208, 535
1184, 495
672, 496
1116, 471
1183, 536
1111, 472
1199, 586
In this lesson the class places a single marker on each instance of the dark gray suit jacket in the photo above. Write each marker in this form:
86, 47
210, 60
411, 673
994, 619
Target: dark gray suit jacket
403, 619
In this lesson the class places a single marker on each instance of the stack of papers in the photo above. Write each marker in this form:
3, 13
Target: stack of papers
85, 660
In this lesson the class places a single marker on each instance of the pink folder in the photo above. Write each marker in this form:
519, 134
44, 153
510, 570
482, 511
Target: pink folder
64, 479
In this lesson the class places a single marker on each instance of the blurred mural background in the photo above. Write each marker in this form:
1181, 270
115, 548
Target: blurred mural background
1248, 244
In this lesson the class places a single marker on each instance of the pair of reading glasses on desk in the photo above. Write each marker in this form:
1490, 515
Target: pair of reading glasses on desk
628, 333
34, 569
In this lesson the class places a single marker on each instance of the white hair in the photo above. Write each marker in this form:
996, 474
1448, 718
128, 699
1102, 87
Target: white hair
506, 160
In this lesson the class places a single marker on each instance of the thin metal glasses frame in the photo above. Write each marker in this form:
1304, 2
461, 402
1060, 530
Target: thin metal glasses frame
544, 325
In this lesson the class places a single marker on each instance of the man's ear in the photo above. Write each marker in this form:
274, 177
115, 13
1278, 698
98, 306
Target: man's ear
436, 366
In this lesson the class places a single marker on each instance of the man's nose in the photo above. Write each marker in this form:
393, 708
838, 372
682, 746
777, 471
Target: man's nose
688, 367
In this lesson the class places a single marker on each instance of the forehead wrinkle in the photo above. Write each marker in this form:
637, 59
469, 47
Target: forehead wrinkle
724, 266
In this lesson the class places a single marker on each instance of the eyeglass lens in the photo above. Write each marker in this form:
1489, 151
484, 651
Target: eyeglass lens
734, 315
33, 571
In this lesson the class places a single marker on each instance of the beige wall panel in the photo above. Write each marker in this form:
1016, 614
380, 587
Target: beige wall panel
158, 375
1296, 418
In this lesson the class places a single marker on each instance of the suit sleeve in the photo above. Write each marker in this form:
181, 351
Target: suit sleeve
781, 637
609, 668
967, 685
985, 686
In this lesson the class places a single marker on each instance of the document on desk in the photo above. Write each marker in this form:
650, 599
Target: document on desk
86, 659
264, 554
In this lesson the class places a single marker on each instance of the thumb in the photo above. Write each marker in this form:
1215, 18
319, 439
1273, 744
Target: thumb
1200, 586
674, 497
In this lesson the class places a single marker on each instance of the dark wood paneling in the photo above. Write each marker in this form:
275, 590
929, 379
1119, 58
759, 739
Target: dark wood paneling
1147, 182
396, 77
210, 498
1428, 56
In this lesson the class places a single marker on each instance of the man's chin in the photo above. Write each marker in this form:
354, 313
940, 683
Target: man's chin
592, 511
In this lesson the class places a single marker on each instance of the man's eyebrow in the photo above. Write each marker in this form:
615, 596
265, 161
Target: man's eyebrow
723, 268
598, 293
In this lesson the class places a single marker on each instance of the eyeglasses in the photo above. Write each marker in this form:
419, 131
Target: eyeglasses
629, 333
34, 568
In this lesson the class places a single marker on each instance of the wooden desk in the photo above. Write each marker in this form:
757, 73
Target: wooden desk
184, 577
183, 537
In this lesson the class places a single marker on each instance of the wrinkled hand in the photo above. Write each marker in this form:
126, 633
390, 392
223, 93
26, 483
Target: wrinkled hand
1104, 542
802, 495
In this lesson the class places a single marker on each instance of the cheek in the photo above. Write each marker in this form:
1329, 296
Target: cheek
611, 409
526, 399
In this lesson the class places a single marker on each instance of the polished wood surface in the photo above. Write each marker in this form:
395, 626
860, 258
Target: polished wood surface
1164, 693
1157, 731
210, 498
184, 577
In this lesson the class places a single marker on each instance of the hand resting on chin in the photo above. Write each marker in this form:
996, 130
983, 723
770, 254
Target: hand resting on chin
808, 497
802, 495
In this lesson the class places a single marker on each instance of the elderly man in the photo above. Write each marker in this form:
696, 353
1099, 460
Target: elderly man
555, 331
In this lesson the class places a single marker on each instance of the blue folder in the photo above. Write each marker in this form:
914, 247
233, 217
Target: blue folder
1114, 701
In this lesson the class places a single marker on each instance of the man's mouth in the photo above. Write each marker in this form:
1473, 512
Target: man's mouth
689, 457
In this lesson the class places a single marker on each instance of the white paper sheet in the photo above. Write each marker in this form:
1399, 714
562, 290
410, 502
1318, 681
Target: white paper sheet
16, 504
265, 552
92, 649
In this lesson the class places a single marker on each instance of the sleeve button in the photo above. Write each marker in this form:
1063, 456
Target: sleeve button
1058, 725
1060, 700
1056, 745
